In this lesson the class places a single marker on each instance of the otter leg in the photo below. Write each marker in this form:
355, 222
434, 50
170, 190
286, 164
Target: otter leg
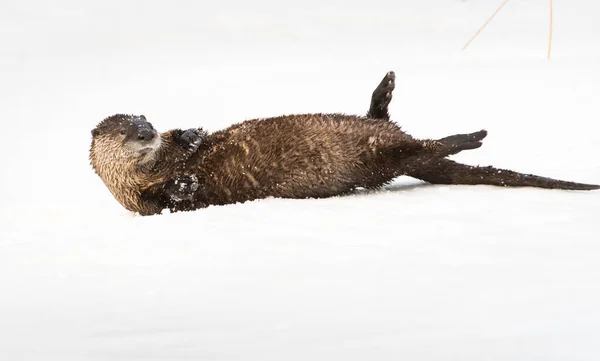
411, 156
454, 144
382, 96
407, 156
445, 171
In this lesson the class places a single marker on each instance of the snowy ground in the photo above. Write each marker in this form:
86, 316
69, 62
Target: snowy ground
414, 272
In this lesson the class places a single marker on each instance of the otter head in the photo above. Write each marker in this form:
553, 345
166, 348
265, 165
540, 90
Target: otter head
123, 153
134, 135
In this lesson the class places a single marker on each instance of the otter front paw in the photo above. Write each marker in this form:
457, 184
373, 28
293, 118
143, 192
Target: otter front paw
192, 139
182, 188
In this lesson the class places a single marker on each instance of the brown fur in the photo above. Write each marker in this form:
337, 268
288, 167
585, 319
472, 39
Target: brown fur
301, 156
293, 156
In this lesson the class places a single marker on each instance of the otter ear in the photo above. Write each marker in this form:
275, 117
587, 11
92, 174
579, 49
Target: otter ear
94, 132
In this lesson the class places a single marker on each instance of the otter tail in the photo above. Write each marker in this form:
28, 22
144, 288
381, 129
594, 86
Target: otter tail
445, 171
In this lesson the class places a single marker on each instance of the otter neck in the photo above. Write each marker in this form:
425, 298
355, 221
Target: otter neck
125, 175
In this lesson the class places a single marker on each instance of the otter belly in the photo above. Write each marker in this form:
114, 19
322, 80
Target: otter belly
300, 156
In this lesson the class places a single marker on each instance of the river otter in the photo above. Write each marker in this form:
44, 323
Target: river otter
293, 156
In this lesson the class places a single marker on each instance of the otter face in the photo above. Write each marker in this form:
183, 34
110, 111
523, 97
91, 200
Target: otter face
134, 133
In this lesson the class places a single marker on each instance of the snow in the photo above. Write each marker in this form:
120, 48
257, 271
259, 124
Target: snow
414, 271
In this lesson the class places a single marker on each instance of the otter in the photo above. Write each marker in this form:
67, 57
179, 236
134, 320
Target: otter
291, 156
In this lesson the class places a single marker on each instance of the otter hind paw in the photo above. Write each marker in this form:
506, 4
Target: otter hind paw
382, 96
458, 142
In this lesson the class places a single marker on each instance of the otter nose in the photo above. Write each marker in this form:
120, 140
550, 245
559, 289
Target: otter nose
145, 135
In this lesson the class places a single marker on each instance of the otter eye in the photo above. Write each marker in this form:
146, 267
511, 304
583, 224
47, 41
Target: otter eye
122, 132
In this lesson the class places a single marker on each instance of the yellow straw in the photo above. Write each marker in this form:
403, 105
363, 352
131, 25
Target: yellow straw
487, 22
550, 41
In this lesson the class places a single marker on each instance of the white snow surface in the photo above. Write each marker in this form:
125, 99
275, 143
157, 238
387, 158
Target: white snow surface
412, 272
